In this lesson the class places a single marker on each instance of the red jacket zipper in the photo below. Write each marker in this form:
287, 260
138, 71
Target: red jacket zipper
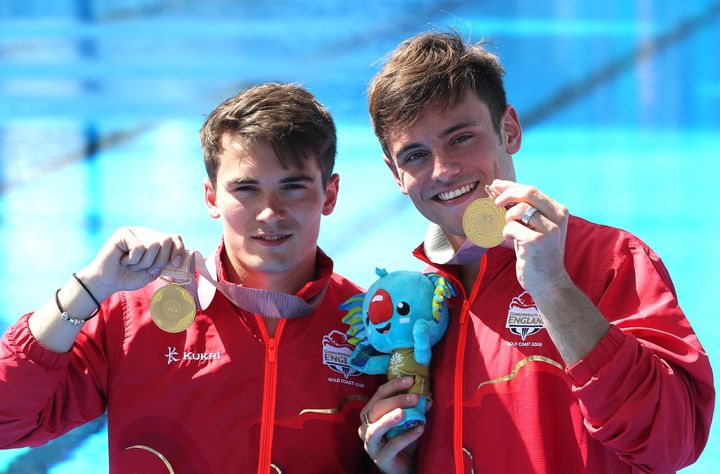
459, 366
267, 422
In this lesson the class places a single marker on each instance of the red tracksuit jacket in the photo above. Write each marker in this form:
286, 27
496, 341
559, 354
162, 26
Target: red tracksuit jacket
504, 401
220, 397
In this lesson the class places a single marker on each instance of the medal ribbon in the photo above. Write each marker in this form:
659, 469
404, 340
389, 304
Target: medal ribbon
270, 304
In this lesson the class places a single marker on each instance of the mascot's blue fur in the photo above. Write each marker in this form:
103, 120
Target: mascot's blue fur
394, 325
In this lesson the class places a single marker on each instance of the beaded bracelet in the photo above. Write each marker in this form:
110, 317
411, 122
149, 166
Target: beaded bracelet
64, 314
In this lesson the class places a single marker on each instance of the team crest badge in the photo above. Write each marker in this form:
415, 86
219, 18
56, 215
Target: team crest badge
523, 317
336, 350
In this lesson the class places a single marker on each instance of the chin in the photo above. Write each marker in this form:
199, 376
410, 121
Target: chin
273, 267
455, 227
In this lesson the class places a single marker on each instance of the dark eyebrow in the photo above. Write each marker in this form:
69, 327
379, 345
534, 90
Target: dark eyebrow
443, 134
241, 181
290, 179
455, 128
294, 179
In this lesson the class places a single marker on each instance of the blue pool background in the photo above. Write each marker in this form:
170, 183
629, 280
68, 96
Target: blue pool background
100, 104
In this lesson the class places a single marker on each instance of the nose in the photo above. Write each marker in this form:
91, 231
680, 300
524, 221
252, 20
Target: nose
271, 210
381, 307
444, 167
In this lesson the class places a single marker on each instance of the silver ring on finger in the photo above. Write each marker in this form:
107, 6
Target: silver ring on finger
527, 215
366, 418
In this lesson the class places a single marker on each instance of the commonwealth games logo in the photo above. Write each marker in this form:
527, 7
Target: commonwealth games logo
336, 350
523, 317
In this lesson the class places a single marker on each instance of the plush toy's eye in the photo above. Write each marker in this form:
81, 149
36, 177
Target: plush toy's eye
403, 308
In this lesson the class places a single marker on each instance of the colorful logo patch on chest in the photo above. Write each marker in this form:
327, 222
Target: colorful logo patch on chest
336, 350
523, 317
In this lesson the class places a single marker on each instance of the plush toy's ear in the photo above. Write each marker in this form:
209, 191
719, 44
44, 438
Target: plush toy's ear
356, 332
443, 290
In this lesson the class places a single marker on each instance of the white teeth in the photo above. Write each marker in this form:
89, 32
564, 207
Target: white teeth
458, 192
273, 237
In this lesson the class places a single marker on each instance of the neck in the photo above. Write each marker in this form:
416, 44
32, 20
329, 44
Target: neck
456, 241
289, 282
468, 276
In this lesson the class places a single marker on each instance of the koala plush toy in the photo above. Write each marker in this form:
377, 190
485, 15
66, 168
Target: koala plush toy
393, 327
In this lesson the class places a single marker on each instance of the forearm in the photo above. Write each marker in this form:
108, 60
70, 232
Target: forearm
573, 322
42, 393
617, 379
50, 329
651, 407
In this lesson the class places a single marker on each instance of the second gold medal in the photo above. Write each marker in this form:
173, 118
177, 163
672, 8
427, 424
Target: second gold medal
483, 223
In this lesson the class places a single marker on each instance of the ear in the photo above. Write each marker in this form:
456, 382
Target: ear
511, 130
211, 199
331, 193
391, 164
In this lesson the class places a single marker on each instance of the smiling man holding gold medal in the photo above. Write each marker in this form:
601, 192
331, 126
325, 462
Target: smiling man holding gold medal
567, 351
225, 364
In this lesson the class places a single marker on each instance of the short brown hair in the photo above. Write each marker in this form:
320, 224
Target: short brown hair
431, 67
289, 117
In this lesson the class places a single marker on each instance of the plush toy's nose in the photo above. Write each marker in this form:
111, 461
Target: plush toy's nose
381, 307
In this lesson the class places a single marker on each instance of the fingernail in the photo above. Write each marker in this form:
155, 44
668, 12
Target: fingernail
177, 261
407, 380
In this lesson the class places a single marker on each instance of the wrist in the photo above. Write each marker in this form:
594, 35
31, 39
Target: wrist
93, 285
556, 285
67, 316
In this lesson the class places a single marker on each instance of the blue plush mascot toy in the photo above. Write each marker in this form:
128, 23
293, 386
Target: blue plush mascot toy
393, 326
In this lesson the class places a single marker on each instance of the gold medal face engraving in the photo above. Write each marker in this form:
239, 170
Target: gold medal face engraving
483, 223
172, 308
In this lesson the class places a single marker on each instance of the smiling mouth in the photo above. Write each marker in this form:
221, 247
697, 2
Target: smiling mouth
272, 238
456, 193
385, 329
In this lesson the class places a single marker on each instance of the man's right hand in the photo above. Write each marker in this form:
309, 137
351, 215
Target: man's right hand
130, 259
382, 412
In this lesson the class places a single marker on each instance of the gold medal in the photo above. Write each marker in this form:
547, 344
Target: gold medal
172, 308
483, 223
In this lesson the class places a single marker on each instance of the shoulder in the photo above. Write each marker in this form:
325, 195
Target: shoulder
595, 254
339, 290
589, 238
338, 284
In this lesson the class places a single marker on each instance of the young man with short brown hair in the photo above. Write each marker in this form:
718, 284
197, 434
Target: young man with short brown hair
257, 382
567, 351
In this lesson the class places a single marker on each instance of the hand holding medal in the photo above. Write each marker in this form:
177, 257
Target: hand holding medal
537, 226
133, 257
